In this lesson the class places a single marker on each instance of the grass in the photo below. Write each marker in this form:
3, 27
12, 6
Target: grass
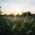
17, 25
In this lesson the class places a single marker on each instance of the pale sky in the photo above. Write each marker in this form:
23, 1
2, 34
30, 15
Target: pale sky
8, 6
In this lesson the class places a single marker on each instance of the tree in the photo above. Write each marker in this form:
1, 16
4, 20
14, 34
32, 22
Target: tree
0, 11
29, 13
18, 15
24, 14
11, 15
5, 14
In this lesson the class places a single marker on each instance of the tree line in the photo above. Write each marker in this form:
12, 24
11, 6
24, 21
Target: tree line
18, 15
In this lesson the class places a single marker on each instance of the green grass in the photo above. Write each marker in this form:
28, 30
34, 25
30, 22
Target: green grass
17, 25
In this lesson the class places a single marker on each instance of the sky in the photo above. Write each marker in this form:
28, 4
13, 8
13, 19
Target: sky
11, 6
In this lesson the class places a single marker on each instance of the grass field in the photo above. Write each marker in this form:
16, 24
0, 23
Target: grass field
17, 25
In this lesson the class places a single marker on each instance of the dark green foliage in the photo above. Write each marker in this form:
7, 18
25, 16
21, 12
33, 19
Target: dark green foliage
18, 26
26, 14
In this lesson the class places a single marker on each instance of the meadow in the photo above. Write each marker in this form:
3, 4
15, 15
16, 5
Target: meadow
17, 25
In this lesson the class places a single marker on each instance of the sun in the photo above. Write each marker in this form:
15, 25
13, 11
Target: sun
17, 10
